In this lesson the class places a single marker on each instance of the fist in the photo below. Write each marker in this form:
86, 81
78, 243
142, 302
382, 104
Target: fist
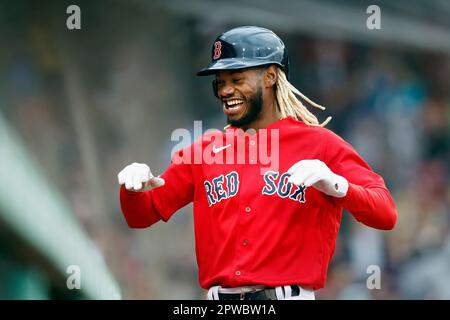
317, 174
138, 177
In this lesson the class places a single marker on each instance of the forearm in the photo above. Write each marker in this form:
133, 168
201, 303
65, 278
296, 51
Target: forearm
373, 207
138, 208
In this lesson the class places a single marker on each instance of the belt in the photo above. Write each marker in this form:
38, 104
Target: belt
263, 294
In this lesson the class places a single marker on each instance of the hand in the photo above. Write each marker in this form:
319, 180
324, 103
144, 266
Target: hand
138, 177
317, 174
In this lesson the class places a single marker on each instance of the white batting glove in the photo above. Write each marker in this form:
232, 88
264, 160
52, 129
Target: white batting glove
138, 177
317, 174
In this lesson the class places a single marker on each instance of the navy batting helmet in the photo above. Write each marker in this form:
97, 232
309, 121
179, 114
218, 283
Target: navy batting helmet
246, 47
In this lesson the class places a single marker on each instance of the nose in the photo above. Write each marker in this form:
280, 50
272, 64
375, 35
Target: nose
226, 90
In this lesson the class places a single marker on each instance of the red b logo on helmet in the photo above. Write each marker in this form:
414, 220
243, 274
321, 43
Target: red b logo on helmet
217, 50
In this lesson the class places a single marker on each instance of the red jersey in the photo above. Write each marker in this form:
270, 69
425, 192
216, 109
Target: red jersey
252, 227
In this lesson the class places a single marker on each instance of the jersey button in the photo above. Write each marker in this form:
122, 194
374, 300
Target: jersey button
238, 273
252, 142
245, 242
248, 209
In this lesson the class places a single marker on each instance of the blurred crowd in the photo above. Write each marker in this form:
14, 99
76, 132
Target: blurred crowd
86, 112
394, 108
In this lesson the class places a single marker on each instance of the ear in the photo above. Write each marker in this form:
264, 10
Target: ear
270, 76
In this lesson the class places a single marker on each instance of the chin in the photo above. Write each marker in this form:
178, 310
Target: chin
235, 121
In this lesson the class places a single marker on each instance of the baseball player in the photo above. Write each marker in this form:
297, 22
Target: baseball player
261, 233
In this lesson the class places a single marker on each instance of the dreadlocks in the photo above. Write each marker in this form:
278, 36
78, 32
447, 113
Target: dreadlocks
290, 105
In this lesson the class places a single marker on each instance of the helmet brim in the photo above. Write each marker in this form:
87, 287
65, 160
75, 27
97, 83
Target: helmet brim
230, 64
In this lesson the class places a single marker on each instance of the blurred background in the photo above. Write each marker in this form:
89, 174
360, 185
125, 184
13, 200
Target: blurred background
76, 106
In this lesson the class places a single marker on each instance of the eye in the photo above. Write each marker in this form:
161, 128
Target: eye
219, 83
237, 80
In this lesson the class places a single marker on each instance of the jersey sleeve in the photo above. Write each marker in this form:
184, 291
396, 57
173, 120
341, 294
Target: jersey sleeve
368, 198
142, 209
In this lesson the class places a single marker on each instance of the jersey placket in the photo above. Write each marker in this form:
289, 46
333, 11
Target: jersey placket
246, 214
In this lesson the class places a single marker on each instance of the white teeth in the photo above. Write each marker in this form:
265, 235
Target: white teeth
233, 102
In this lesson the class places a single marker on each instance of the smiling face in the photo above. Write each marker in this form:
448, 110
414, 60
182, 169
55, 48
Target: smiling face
241, 94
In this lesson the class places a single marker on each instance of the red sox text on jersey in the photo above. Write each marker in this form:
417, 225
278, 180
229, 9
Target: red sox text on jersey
226, 186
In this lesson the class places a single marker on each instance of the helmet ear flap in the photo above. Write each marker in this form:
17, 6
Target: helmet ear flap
215, 88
